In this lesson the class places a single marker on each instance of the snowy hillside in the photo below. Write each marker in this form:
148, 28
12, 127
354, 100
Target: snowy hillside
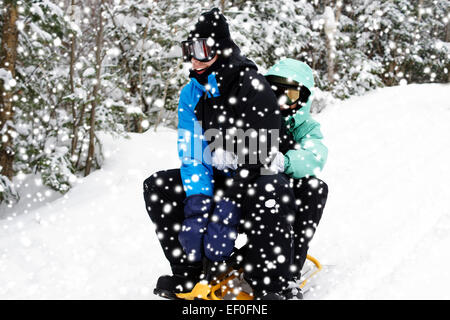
386, 226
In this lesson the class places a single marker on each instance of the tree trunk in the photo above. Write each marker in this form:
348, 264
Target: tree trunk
222, 5
419, 13
72, 86
330, 62
98, 62
447, 32
141, 95
447, 39
390, 81
339, 5
330, 32
8, 56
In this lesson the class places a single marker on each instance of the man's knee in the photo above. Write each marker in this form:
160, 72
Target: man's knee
272, 194
312, 187
153, 182
318, 189
152, 190
273, 185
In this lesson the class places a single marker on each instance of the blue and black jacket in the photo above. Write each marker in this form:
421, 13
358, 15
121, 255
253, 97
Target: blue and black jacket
232, 96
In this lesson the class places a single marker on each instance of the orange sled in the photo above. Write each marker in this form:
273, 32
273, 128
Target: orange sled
224, 286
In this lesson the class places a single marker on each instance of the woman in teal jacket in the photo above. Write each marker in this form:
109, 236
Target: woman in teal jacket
302, 155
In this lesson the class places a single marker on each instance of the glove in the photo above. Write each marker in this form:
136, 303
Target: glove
222, 159
277, 164
221, 232
196, 211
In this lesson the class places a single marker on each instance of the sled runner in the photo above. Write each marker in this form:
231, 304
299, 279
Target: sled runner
228, 286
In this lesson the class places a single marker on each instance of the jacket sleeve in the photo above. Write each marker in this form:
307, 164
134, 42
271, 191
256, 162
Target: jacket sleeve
310, 156
193, 151
257, 111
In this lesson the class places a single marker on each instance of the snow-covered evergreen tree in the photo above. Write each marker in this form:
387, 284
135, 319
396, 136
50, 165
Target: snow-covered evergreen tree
69, 80
41, 121
8, 58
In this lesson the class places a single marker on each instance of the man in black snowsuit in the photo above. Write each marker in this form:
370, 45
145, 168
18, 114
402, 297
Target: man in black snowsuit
198, 208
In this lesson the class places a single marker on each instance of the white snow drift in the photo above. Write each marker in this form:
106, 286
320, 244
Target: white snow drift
386, 226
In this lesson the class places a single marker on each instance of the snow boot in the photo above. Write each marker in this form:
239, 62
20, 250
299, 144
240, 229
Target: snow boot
286, 294
271, 296
183, 280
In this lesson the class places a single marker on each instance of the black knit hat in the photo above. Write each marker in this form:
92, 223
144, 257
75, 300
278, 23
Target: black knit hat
211, 24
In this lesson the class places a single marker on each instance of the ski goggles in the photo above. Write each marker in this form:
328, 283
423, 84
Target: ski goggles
198, 49
290, 95
287, 95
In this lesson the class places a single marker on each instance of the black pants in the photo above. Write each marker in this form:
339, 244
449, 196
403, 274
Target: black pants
279, 217
311, 195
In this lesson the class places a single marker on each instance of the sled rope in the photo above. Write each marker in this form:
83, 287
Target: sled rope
207, 291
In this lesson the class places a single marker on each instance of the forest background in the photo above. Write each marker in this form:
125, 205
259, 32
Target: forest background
75, 69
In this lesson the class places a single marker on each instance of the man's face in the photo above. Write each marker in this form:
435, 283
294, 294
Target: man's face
201, 67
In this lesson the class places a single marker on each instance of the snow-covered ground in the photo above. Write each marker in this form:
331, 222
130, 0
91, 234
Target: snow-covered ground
386, 226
